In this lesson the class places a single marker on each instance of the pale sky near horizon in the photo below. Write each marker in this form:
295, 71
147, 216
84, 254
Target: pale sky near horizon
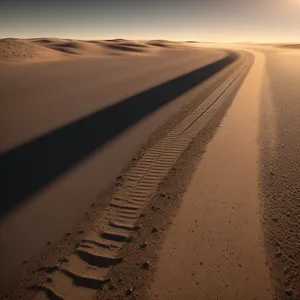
202, 20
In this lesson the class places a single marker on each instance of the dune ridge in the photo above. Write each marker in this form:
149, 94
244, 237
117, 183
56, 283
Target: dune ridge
48, 48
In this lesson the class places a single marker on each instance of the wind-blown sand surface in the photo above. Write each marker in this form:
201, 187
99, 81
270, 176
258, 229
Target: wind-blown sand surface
50, 92
186, 264
215, 248
43, 49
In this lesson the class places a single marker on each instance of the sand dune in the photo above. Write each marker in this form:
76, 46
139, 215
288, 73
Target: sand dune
293, 46
127, 46
22, 50
43, 49
283, 45
76, 47
164, 43
116, 40
121, 47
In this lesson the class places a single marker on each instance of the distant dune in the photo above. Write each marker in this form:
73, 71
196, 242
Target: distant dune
43, 49
293, 46
283, 45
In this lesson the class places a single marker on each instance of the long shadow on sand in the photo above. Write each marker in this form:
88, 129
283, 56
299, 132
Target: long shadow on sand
27, 168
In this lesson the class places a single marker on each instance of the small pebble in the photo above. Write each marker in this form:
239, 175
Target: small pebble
154, 230
129, 292
143, 245
146, 265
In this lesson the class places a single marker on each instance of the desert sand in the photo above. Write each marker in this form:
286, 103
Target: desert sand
236, 232
51, 49
48, 92
215, 249
202, 234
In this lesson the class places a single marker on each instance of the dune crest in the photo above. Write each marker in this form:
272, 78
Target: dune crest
45, 49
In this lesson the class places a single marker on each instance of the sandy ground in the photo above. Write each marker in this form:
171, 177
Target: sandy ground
82, 85
280, 169
215, 249
159, 215
249, 248
76, 84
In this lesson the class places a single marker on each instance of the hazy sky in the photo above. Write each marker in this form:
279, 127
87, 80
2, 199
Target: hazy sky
203, 20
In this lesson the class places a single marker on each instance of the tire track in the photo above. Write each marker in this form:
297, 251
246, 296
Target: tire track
85, 270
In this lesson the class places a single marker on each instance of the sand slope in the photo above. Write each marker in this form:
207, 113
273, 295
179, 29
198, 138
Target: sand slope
45, 49
21, 50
